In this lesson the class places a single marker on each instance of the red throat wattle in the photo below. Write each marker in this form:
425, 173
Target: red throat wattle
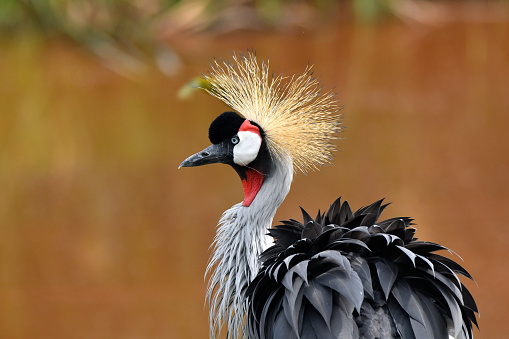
251, 185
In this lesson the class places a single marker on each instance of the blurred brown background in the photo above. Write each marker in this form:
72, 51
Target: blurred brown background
102, 237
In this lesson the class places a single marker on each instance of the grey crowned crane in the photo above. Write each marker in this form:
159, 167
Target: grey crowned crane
343, 274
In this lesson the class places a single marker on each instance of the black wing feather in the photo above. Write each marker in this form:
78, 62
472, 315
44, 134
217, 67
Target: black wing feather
348, 275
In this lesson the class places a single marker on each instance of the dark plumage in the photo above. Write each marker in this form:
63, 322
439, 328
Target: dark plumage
224, 126
345, 274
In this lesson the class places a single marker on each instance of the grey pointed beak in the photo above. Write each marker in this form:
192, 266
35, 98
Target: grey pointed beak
216, 153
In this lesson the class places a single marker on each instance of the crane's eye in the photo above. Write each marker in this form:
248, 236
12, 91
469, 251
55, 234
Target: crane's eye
235, 140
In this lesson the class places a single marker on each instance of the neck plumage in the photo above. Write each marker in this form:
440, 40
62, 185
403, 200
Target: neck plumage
240, 238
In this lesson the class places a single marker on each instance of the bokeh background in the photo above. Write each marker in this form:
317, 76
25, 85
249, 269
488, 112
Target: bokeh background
102, 237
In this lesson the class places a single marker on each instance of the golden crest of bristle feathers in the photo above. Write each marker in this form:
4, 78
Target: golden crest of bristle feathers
299, 120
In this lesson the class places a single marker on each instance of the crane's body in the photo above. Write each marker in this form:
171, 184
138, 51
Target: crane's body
343, 274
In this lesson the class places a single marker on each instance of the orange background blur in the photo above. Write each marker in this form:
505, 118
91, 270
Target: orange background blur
102, 237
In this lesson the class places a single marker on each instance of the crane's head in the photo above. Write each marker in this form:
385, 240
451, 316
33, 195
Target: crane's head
239, 143
279, 119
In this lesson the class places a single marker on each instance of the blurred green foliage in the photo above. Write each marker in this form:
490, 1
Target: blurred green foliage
125, 34
79, 19
66, 16
120, 32
85, 20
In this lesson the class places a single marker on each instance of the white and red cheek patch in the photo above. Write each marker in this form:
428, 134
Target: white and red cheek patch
249, 144
244, 153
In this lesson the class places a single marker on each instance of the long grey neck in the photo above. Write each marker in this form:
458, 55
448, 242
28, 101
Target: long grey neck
240, 238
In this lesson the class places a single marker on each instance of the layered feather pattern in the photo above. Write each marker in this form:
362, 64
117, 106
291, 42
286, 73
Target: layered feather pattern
345, 274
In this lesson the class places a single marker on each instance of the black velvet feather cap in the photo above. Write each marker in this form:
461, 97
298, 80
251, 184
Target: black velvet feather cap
226, 125
345, 274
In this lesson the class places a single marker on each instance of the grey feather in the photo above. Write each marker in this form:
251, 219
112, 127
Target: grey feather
387, 273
